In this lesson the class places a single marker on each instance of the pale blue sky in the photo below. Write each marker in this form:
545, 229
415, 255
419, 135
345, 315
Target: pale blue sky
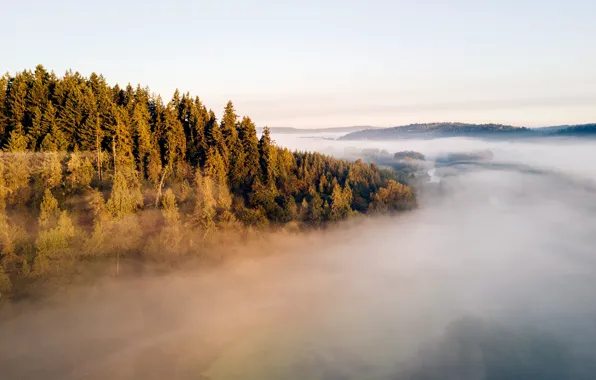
328, 63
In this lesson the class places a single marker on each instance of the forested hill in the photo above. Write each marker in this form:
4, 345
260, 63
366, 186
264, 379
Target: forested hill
489, 131
290, 130
81, 161
434, 130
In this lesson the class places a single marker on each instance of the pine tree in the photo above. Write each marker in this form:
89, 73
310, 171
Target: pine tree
266, 157
36, 132
39, 91
4, 189
142, 137
16, 102
70, 115
55, 139
4, 127
316, 210
175, 140
215, 138
228, 126
247, 134
195, 130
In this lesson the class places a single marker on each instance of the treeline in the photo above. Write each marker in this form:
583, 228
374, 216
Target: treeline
82, 159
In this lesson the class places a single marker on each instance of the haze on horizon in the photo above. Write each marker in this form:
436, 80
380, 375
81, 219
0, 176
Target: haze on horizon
313, 64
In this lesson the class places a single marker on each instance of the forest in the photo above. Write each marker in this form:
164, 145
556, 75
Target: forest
91, 173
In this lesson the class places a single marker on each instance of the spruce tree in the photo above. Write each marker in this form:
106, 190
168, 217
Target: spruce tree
266, 157
3, 109
247, 134
16, 102
215, 138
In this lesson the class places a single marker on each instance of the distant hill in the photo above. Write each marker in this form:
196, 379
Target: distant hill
442, 130
289, 130
577, 130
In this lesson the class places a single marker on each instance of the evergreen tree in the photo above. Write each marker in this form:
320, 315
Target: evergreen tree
247, 134
142, 137
316, 210
175, 140
4, 127
266, 157
16, 102
36, 132
195, 130
215, 138
55, 139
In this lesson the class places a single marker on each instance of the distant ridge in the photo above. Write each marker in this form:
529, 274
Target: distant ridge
442, 130
290, 130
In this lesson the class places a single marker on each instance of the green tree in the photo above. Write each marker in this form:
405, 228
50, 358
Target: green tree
4, 126
316, 211
16, 162
267, 157
80, 172
53, 245
393, 197
16, 101
48, 210
215, 138
123, 198
247, 134
204, 212
50, 170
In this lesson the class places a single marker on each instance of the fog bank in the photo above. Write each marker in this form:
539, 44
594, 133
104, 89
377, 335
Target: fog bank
492, 277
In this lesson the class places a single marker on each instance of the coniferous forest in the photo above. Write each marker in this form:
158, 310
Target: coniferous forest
91, 172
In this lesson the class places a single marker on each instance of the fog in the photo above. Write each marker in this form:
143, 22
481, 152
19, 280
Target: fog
492, 277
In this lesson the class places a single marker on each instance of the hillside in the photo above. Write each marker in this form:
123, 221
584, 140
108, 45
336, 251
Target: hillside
492, 131
95, 172
436, 130
290, 130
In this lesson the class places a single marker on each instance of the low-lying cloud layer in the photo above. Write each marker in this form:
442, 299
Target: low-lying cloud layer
493, 277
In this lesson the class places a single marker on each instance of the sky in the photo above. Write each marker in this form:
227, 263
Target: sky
328, 63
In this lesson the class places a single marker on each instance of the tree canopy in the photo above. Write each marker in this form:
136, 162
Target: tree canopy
82, 160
